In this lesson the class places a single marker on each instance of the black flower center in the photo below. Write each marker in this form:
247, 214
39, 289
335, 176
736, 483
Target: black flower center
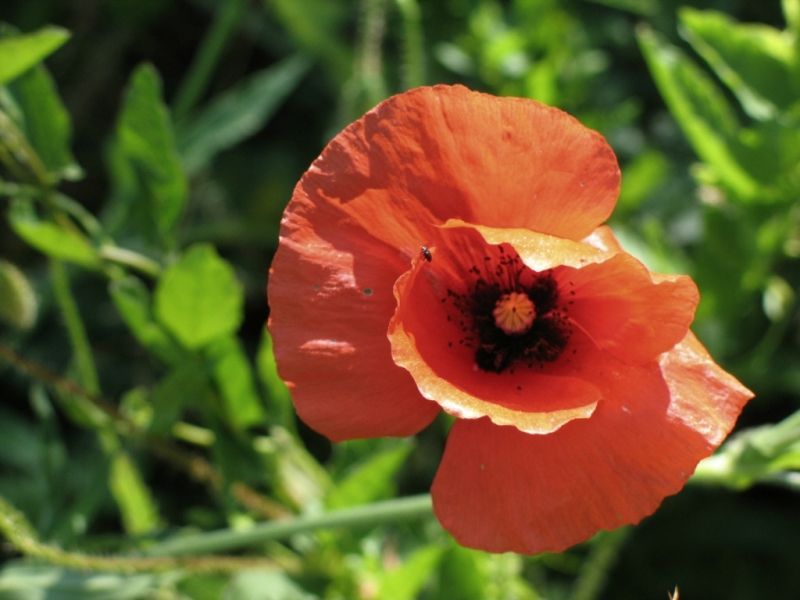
511, 316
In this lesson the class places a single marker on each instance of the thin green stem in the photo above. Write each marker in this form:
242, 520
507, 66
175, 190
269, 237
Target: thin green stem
373, 28
596, 567
196, 467
19, 533
129, 258
205, 61
413, 71
15, 150
388, 511
82, 350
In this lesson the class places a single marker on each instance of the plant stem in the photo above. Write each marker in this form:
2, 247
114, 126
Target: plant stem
373, 27
205, 61
16, 529
388, 511
600, 561
413, 71
129, 258
82, 350
196, 467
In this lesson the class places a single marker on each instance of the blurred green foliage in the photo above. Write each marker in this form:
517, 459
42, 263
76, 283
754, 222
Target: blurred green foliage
142, 176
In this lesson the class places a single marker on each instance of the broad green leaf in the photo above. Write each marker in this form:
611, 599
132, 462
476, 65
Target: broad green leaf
145, 161
203, 586
642, 175
20, 52
772, 152
20, 581
755, 61
406, 581
700, 109
45, 122
55, 240
464, 574
262, 585
136, 504
134, 305
18, 303
233, 375
185, 386
371, 480
279, 401
644, 8
298, 478
238, 113
198, 298
791, 12
758, 454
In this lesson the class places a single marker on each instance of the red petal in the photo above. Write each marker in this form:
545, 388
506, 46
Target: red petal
539, 251
329, 313
628, 311
603, 238
499, 489
704, 396
425, 342
442, 152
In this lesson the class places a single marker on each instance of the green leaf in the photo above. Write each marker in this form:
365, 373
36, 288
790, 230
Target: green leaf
642, 175
234, 377
298, 478
464, 574
700, 109
406, 582
132, 300
198, 298
136, 504
644, 8
261, 585
148, 175
18, 303
238, 113
55, 240
279, 401
791, 12
771, 151
20, 52
758, 454
755, 61
45, 122
19, 581
185, 385
371, 480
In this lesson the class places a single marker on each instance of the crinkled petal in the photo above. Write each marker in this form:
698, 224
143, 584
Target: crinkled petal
703, 395
499, 489
330, 305
424, 341
628, 311
435, 153
539, 251
624, 308
603, 238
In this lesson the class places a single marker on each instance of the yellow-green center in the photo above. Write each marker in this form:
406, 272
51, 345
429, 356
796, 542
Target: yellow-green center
514, 313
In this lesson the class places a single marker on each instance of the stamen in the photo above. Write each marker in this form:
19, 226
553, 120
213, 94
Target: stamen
514, 313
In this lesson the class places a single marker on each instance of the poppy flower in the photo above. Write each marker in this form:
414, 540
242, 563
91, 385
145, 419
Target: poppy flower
446, 252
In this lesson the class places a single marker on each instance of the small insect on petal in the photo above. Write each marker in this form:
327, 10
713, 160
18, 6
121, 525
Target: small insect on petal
426, 253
